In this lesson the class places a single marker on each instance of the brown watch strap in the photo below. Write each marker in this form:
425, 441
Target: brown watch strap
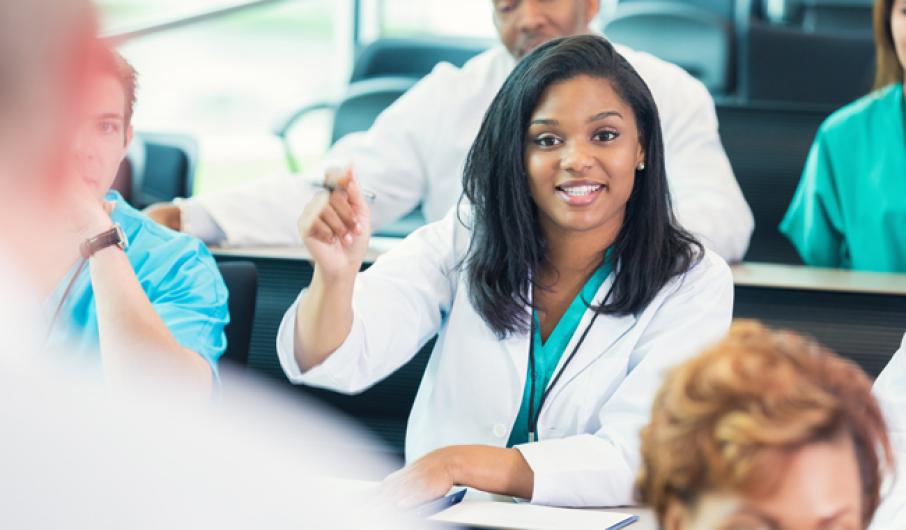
108, 238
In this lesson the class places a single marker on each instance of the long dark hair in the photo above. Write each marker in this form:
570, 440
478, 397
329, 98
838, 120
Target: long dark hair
888, 69
506, 245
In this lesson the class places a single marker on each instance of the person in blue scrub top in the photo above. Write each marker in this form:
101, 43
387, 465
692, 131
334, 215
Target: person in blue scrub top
143, 298
560, 292
850, 208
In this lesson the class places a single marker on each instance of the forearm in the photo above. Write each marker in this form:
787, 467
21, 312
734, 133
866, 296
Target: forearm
132, 334
323, 318
492, 469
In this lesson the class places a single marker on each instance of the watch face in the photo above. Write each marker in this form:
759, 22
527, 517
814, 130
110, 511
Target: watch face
122, 241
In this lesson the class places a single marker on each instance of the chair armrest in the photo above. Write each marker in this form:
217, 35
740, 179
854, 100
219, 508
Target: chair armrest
282, 127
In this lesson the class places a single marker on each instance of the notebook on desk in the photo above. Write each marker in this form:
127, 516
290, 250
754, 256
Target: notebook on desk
512, 516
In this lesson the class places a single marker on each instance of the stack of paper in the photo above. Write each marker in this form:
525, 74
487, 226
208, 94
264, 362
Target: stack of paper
513, 516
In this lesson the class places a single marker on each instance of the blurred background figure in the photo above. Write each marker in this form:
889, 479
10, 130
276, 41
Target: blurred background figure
121, 279
765, 430
850, 208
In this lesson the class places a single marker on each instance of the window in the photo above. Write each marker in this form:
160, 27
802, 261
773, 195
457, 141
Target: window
443, 18
227, 80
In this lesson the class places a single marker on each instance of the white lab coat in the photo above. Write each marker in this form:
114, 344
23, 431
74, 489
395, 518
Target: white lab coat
890, 391
415, 152
588, 453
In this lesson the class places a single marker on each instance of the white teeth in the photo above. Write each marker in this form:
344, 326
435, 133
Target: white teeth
578, 191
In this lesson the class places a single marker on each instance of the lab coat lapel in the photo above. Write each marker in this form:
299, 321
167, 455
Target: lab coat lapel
517, 347
604, 334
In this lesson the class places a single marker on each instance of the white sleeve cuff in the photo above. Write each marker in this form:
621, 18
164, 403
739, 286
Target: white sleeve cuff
196, 221
580, 471
338, 371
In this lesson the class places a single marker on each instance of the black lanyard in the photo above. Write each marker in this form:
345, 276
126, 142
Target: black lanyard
532, 415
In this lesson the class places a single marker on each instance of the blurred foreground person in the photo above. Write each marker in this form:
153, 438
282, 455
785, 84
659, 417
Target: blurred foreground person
890, 391
765, 430
73, 458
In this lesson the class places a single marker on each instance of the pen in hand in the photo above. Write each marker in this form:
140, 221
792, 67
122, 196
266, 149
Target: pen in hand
369, 195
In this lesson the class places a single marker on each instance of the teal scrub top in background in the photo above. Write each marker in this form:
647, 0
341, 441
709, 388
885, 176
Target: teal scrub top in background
548, 354
849, 210
178, 274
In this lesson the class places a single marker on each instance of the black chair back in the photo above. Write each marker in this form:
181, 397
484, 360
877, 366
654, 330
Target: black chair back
767, 146
158, 168
241, 278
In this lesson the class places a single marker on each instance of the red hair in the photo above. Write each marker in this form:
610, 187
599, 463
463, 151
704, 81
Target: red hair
720, 419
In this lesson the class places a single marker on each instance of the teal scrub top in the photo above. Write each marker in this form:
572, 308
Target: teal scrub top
178, 274
548, 354
849, 210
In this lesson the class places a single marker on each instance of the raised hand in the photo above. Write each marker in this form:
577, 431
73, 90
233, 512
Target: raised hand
335, 226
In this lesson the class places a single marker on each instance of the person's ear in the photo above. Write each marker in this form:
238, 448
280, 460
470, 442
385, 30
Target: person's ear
592, 7
128, 135
640, 159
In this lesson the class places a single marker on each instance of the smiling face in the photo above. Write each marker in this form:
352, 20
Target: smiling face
582, 150
820, 490
103, 134
524, 25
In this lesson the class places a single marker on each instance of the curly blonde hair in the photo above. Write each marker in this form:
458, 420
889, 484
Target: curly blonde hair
721, 419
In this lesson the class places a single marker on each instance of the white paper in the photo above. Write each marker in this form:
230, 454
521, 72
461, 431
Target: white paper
513, 516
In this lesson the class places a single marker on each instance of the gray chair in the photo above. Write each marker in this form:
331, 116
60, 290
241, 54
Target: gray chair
384, 70
694, 38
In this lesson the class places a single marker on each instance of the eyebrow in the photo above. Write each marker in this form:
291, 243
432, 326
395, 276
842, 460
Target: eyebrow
836, 515
110, 116
775, 524
759, 514
597, 117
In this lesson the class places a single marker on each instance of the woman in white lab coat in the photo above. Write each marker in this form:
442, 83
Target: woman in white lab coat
560, 292
890, 391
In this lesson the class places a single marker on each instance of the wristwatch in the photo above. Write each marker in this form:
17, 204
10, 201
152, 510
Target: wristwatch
114, 236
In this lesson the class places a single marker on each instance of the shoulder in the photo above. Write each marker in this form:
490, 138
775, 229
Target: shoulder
479, 75
152, 246
867, 111
708, 272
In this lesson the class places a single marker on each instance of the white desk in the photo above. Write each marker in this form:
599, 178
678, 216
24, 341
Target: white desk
776, 276
768, 275
352, 487
376, 247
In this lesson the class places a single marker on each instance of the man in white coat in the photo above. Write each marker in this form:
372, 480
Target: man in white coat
415, 151
890, 391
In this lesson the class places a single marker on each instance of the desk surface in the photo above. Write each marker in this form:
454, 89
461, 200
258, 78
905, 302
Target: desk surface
764, 275
352, 487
